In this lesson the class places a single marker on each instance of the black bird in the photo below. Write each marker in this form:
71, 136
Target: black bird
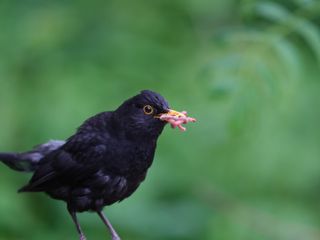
103, 162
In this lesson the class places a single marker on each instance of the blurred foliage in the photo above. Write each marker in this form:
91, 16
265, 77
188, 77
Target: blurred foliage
248, 70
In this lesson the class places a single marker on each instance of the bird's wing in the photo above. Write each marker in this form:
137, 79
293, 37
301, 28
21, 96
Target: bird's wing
75, 161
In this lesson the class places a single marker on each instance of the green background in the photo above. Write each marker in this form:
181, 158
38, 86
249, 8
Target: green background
248, 70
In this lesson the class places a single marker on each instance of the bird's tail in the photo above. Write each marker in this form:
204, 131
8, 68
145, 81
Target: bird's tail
14, 161
29, 161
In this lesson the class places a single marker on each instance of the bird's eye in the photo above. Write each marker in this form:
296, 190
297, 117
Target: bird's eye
147, 109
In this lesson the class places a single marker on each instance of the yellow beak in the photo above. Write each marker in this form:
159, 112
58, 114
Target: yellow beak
171, 112
175, 113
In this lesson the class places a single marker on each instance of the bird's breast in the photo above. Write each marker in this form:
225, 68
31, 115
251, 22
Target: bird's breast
139, 160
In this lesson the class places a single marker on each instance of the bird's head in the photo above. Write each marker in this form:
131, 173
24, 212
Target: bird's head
140, 116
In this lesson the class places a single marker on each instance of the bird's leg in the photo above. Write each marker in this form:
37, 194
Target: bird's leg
105, 220
75, 220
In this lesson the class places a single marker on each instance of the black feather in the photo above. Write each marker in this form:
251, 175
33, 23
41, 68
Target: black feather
103, 162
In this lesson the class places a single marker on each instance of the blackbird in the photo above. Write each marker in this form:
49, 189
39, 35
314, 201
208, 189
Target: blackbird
104, 162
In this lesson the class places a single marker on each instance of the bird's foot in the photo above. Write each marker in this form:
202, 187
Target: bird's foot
83, 237
115, 237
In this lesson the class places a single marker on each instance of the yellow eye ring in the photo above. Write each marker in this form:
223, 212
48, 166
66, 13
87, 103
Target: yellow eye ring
148, 110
